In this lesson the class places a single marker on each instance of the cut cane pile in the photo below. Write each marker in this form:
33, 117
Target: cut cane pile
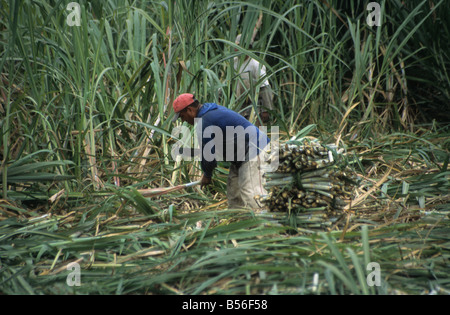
311, 184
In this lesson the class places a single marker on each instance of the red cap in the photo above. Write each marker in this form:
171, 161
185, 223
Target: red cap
181, 102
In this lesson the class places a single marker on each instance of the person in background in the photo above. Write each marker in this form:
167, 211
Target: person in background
245, 151
251, 71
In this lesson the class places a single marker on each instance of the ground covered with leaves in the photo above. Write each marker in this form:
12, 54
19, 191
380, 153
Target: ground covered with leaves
188, 242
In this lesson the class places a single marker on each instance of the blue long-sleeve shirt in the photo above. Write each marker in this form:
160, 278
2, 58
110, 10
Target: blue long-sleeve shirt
226, 136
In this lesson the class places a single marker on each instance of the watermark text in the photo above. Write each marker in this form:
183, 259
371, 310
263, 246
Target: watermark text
374, 16
374, 277
74, 277
234, 144
74, 17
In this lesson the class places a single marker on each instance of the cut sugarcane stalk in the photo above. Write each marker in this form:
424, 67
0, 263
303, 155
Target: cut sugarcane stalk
309, 177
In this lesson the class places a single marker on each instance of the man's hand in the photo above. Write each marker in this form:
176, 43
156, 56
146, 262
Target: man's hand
205, 181
265, 117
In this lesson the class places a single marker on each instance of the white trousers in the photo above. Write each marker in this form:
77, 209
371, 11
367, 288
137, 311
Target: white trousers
246, 182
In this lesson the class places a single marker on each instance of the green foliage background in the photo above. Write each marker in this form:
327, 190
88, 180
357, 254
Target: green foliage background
87, 109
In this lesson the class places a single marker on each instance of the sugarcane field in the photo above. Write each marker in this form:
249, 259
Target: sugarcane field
225, 148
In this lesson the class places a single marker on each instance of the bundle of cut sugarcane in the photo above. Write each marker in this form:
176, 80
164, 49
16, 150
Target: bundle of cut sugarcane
308, 183
307, 156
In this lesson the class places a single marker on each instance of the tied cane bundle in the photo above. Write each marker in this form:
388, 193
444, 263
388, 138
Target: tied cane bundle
310, 183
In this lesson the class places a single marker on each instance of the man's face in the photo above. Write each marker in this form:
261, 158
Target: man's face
187, 115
